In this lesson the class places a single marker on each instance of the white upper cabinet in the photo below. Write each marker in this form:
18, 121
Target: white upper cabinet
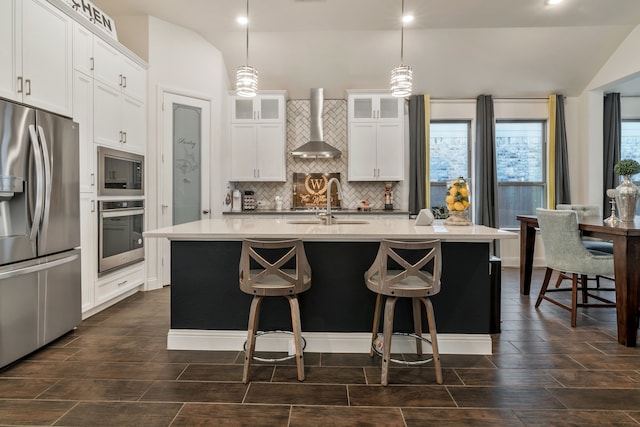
376, 137
258, 138
261, 108
116, 70
83, 115
368, 107
36, 50
82, 49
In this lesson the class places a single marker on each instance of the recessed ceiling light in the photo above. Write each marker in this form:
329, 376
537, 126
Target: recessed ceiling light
552, 2
407, 18
242, 20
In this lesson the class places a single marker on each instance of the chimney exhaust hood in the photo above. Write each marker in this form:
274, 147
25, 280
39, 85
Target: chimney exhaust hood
316, 148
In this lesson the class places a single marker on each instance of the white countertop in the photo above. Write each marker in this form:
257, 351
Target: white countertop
375, 229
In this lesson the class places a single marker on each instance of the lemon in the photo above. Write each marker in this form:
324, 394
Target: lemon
458, 206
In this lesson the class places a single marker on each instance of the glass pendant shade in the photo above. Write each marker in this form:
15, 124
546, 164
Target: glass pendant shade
246, 81
401, 81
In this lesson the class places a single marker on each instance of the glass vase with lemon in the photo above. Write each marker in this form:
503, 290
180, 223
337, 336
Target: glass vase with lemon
458, 200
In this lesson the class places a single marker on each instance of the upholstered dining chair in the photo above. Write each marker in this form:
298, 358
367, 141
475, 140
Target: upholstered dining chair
266, 271
565, 253
404, 269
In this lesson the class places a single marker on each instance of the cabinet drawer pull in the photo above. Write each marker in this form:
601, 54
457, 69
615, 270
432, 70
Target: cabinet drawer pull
91, 62
124, 139
120, 77
19, 84
27, 84
123, 283
124, 81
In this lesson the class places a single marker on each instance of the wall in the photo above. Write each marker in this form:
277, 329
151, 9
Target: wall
182, 62
334, 116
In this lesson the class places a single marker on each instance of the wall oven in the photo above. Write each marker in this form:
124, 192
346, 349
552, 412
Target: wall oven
120, 226
120, 173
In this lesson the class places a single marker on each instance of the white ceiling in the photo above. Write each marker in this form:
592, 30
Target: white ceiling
457, 48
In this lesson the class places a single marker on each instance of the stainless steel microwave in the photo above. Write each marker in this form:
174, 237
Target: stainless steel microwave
120, 173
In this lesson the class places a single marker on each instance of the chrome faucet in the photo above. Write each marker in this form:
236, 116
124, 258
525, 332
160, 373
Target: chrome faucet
326, 216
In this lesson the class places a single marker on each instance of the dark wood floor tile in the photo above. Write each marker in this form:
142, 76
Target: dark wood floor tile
506, 377
610, 362
399, 395
32, 412
136, 371
297, 394
101, 330
522, 361
150, 330
336, 416
574, 334
316, 374
635, 415
310, 359
499, 346
48, 369
227, 373
555, 347
568, 418
53, 353
112, 355
615, 349
597, 379
124, 343
602, 398
517, 335
21, 388
504, 397
195, 391
231, 415
465, 361
417, 417
405, 375
120, 414
195, 356
81, 389
349, 359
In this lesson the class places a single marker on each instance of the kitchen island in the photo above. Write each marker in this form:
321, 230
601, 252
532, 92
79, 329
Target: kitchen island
208, 310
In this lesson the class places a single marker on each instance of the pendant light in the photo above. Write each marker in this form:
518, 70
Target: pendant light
247, 76
401, 76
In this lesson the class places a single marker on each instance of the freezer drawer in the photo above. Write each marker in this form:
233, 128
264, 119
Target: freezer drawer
39, 302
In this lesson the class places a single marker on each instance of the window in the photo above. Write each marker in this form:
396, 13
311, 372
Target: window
520, 163
630, 142
449, 153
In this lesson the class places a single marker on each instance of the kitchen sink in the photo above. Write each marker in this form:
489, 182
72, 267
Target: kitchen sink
335, 221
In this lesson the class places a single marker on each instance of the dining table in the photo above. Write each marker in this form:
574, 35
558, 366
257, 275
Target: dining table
626, 259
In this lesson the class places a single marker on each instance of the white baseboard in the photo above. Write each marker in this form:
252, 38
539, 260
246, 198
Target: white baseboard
320, 342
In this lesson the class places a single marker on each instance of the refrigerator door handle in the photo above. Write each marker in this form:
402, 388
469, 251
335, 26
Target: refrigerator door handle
34, 268
37, 155
47, 183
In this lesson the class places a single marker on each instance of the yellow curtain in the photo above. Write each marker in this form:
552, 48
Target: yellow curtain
427, 163
551, 155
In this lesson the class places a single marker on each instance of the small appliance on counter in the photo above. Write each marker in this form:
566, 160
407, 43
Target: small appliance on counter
249, 201
236, 203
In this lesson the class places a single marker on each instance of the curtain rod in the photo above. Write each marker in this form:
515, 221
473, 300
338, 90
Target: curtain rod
453, 98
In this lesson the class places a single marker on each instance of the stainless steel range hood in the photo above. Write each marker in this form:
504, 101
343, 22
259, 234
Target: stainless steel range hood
316, 148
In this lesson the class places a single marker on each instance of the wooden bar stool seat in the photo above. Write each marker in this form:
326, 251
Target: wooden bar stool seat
274, 268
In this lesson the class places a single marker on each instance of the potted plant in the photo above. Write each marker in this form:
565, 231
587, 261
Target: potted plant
627, 167
627, 192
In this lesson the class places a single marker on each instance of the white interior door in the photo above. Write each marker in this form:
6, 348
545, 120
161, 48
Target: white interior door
185, 166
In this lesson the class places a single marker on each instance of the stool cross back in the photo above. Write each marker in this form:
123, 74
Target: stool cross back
406, 277
265, 271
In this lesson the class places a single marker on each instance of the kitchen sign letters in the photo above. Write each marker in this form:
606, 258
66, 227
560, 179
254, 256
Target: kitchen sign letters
94, 15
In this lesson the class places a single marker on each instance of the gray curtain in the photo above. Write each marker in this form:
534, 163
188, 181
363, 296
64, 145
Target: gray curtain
612, 124
563, 190
417, 155
486, 177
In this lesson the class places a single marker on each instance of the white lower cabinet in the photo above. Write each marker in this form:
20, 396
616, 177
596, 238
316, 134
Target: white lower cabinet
119, 282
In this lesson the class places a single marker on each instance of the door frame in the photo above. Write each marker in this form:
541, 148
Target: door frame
163, 252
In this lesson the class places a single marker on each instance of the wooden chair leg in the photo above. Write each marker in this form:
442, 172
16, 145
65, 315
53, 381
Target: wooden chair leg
297, 335
252, 328
545, 284
387, 333
431, 319
574, 299
583, 285
417, 323
376, 322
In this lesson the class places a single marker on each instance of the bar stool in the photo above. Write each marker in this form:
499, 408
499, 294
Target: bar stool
403, 278
265, 271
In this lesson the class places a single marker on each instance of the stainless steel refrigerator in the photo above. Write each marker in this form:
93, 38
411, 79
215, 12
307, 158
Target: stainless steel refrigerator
40, 278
